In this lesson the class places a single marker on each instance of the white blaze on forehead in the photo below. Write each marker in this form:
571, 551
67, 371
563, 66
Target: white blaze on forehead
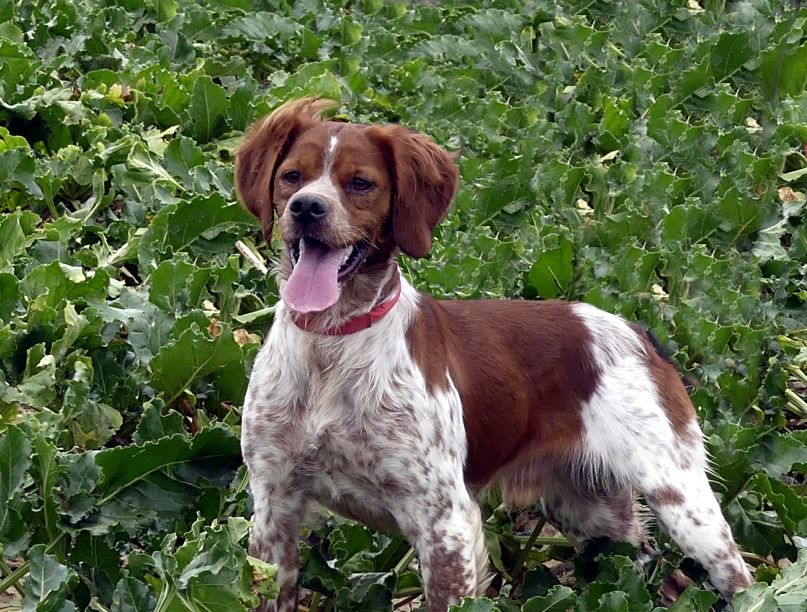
323, 186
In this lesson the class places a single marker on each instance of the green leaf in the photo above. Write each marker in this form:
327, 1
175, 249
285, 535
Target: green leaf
13, 230
790, 507
787, 592
479, 604
15, 461
558, 599
60, 282
178, 226
45, 586
131, 595
207, 110
46, 472
181, 157
153, 425
165, 9
551, 274
121, 467
694, 600
18, 169
193, 356
9, 295
169, 285
368, 591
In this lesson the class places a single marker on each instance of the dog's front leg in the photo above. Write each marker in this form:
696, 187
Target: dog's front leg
278, 509
445, 528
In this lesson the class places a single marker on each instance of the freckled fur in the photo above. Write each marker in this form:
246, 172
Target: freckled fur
401, 424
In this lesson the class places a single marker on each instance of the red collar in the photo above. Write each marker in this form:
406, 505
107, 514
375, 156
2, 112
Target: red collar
351, 326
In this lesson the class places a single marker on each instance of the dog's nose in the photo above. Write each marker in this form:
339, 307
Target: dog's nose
306, 209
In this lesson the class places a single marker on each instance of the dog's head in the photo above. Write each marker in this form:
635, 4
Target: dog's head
346, 196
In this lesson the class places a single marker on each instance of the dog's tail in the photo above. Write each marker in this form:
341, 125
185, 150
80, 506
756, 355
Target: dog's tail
689, 381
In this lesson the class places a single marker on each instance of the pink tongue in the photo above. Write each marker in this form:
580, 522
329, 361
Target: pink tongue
313, 285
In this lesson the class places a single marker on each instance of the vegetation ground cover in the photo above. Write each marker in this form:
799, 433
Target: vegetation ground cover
647, 157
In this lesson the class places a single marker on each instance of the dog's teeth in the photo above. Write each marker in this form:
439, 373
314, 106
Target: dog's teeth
348, 254
300, 248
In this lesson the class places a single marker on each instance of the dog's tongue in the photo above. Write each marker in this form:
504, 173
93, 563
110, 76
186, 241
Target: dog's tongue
313, 285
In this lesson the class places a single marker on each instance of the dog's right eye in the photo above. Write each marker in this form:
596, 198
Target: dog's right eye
292, 177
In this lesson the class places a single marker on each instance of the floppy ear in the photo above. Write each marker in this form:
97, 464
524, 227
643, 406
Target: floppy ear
426, 180
260, 154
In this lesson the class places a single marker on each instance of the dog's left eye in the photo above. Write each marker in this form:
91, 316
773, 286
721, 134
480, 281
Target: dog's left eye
360, 184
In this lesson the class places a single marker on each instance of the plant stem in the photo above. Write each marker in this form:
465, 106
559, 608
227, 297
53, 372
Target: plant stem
405, 561
405, 601
314, 605
523, 553
795, 403
548, 541
757, 558
7, 571
797, 372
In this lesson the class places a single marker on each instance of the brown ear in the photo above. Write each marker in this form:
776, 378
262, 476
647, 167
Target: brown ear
426, 180
260, 154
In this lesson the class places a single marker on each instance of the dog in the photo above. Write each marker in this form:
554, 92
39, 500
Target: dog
395, 409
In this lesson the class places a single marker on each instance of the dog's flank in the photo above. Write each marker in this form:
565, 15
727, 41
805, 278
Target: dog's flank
400, 422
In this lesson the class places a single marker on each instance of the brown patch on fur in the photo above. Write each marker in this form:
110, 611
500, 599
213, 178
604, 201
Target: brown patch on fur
665, 496
449, 578
672, 394
258, 157
521, 369
427, 342
737, 581
425, 179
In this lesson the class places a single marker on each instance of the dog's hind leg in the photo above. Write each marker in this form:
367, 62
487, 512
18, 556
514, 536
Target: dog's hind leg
677, 490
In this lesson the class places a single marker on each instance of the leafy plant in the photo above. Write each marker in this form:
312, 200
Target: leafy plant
647, 157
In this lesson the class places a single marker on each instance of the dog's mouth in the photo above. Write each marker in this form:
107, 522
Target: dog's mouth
318, 270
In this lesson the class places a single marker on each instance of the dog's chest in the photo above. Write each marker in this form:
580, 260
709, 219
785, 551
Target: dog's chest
348, 415
340, 411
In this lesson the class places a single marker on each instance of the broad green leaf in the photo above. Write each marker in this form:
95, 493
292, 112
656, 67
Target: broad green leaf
131, 595
9, 295
790, 507
207, 110
178, 226
60, 282
13, 230
15, 461
551, 274
165, 9
787, 593
368, 591
694, 600
18, 169
153, 425
45, 586
191, 357
169, 285
121, 467
479, 604
558, 599
46, 472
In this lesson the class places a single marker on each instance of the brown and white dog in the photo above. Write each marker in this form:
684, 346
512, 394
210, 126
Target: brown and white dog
396, 409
